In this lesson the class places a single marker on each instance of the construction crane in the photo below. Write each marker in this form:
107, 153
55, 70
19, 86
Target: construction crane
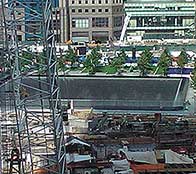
37, 142
125, 25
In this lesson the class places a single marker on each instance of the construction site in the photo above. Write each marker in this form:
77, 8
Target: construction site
86, 124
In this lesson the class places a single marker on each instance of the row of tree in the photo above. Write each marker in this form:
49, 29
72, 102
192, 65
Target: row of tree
92, 61
144, 62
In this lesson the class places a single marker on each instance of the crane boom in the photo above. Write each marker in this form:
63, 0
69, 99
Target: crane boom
126, 22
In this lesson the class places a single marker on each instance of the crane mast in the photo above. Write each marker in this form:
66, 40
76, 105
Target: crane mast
38, 133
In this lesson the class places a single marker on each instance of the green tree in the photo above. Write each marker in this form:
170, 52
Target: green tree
119, 60
92, 61
61, 63
182, 59
164, 62
26, 59
41, 62
144, 62
70, 56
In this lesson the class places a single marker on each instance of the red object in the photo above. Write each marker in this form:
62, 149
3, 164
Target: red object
137, 168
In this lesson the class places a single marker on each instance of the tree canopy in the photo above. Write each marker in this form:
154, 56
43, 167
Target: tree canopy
119, 60
164, 62
26, 59
70, 56
144, 62
92, 61
182, 59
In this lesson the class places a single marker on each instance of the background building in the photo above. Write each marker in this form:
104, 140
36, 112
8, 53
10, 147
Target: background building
95, 19
155, 19
29, 23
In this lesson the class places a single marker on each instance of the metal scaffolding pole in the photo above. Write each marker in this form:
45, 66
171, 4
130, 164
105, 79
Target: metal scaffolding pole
39, 132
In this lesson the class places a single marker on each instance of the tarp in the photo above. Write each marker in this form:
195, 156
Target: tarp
148, 157
172, 157
76, 141
120, 165
77, 158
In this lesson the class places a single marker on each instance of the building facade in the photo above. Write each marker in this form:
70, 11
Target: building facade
99, 20
29, 22
165, 19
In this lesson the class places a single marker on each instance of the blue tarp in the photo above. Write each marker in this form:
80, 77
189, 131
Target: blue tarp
179, 71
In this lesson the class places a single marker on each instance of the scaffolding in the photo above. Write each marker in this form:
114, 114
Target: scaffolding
37, 129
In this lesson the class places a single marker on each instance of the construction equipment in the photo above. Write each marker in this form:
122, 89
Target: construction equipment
38, 133
125, 25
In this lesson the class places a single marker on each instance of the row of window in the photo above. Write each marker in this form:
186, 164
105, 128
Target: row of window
94, 1
96, 22
92, 10
162, 8
80, 23
159, 21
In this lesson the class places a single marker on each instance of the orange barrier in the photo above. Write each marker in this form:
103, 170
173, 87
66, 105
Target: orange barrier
147, 167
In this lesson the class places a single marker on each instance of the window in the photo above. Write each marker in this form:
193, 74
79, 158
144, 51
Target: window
73, 10
80, 10
106, 10
79, 2
100, 22
117, 21
73, 23
79, 34
100, 10
56, 24
93, 1
93, 10
55, 12
99, 1
73, 2
86, 1
100, 35
80, 23
106, 1
86, 10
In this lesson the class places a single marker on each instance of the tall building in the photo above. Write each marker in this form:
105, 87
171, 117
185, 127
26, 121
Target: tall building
157, 19
99, 20
29, 23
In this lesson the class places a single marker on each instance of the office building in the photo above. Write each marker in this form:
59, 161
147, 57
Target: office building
99, 20
160, 19
29, 23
